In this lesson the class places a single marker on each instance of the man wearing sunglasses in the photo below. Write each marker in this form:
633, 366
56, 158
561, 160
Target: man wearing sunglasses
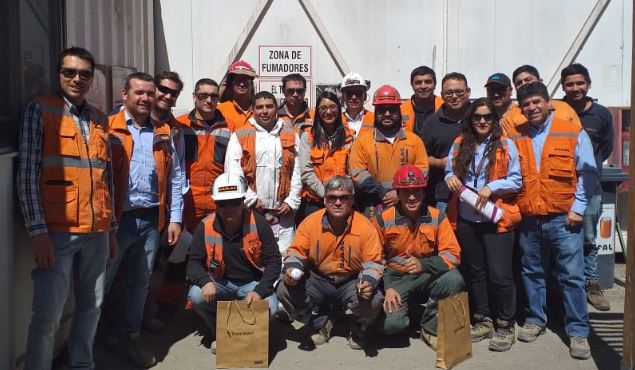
378, 153
147, 178
440, 130
354, 93
66, 196
295, 109
335, 259
237, 98
265, 152
421, 254
233, 254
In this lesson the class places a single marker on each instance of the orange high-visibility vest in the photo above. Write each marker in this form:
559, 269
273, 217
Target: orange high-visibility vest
368, 121
550, 190
246, 136
204, 162
431, 237
73, 184
234, 115
121, 140
499, 170
252, 246
408, 112
327, 163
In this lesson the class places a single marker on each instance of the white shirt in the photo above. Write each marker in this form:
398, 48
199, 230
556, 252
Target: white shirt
268, 163
355, 124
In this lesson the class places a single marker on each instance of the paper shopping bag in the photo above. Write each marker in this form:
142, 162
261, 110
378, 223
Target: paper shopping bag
454, 344
242, 334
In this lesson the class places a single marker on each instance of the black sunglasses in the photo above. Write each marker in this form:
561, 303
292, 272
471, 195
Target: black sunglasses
476, 118
205, 96
166, 90
229, 203
72, 72
290, 91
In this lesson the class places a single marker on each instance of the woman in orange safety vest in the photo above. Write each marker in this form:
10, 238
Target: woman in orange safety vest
324, 151
487, 163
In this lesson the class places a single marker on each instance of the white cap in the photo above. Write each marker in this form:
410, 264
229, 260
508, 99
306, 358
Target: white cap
353, 80
228, 186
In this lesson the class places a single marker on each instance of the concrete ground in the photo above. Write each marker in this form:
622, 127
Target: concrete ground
183, 346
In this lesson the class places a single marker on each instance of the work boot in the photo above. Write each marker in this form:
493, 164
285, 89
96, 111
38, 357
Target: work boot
529, 332
212, 347
357, 336
579, 348
503, 339
429, 339
282, 314
133, 351
482, 329
153, 325
595, 296
323, 334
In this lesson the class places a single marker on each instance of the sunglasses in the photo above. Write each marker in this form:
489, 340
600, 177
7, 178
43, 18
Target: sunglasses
205, 96
335, 198
233, 203
290, 91
356, 92
476, 118
449, 93
382, 109
166, 90
72, 72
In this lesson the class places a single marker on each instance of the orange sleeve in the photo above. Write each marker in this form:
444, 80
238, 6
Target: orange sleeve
297, 254
448, 247
372, 265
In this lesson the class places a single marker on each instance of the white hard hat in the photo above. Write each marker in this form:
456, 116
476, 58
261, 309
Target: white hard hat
228, 186
353, 80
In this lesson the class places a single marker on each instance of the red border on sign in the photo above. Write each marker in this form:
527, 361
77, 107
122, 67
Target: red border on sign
287, 46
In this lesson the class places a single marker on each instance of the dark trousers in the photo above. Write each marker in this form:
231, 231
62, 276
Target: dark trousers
487, 266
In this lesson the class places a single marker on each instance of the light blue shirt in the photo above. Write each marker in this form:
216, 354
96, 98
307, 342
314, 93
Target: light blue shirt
586, 169
142, 180
510, 184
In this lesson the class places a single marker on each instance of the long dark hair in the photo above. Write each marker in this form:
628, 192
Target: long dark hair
465, 156
320, 139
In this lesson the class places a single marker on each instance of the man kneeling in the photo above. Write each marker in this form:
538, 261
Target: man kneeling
421, 253
335, 258
233, 254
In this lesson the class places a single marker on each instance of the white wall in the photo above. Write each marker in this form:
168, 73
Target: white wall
384, 40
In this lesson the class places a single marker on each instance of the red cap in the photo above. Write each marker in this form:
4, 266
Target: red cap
386, 94
240, 67
409, 177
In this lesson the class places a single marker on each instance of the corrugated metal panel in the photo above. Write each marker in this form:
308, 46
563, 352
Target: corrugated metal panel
117, 32
385, 39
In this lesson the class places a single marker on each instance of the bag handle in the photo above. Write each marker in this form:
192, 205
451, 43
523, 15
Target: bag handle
456, 310
242, 317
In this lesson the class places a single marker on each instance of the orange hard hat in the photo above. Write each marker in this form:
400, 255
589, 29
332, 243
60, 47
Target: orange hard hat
385, 95
240, 67
408, 177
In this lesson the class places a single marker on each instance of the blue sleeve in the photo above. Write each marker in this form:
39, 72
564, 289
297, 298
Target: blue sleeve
448, 166
587, 172
514, 180
176, 196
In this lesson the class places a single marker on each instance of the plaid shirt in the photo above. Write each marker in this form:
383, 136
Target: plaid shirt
30, 162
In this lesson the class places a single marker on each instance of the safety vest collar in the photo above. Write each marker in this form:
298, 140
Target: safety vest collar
326, 225
217, 122
283, 112
379, 136
424, 216
247, 227
274, 131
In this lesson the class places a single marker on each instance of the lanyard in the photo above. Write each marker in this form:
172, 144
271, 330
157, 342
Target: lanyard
476, 170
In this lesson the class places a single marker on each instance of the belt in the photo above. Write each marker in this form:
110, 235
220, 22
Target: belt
142, 212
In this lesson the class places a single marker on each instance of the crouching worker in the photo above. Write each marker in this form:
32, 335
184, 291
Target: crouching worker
335, 258
233, 254
421, 254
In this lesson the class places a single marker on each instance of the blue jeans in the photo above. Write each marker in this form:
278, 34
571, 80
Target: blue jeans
225, 291
547, 244
589, 224
82, 258
138, 240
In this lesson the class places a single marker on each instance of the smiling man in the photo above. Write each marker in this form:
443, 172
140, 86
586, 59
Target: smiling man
265, 152
295, 109
66, 196
354, 94
236, 100
421, 254
423, 102
559, 176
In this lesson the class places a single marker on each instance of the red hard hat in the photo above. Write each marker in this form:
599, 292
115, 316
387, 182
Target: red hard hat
386, 94
240, 67
408, 177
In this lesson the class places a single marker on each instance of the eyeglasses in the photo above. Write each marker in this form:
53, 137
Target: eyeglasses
476, 118
334, 198
72, 72
166, 90
290, 91
233, 203
392, 109
205, 96
326, 108
449, 93
356, 92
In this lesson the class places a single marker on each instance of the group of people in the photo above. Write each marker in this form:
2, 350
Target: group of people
326, 211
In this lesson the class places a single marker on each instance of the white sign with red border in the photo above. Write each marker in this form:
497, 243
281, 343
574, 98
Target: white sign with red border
279, 61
